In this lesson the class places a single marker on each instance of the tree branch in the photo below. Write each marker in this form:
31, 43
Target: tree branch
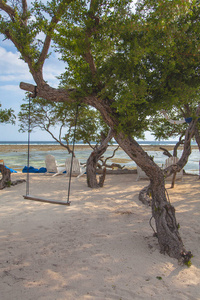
89, 59
180, 142
89, 30
8, 9
166, 152
25, 9
47, 42
197, 137
187, 147
107, 158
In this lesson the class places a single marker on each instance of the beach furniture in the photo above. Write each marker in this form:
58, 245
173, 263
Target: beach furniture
77, 169
172, 161
52, 167
141, 174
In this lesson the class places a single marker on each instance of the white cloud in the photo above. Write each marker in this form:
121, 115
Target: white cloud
12, 68
15, 77
8, 58
11, 88
53, 67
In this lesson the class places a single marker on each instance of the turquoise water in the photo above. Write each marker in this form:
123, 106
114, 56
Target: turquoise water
17, 160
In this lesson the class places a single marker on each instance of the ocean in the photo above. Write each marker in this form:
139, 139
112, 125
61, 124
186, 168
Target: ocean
17, 160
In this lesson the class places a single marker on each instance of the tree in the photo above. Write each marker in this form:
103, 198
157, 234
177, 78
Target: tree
90, 127
128, 65
163, 129
47, 115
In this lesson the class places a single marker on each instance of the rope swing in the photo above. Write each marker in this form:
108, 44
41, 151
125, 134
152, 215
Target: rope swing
35, 198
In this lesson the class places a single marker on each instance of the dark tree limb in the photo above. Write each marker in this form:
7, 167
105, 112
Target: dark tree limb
6, 177
166, 152
102, 178
173, 180
180, 142
92, 163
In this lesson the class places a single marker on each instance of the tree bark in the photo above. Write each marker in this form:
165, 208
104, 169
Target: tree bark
166, 152
144, 196
6, 177
197, 138
163, 212
91, 169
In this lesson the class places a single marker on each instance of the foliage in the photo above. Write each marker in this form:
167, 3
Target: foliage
140, 63
48, 115
7, 116
162, 129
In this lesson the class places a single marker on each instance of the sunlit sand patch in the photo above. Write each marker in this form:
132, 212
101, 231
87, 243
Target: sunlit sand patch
101, 245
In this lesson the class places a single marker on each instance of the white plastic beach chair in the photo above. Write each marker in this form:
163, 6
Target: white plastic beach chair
52, 166
172, 161
77, 169
141, 174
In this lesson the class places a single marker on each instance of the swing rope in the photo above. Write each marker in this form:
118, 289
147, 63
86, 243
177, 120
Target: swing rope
74, 138
28, 196
29, 137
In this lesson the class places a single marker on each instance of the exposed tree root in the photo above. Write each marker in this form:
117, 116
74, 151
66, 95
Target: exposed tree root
6, 178
144, 196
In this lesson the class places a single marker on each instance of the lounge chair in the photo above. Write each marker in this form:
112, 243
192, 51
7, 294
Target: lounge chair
77, 169
172, 161
52, 167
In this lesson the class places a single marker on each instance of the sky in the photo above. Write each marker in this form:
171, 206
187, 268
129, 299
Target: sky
13, 70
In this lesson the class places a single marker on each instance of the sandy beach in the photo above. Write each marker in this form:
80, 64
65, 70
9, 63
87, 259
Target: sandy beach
100, 247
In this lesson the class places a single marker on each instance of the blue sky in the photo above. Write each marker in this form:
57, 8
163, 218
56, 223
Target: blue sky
12, 71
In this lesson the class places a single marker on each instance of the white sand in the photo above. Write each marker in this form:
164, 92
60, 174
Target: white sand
100, 247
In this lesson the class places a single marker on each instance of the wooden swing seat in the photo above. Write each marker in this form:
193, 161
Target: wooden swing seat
29, 197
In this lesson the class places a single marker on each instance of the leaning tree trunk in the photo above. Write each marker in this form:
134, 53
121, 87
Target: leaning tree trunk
6, 177
163, 212
91, 168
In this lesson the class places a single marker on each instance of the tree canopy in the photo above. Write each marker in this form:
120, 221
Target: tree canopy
140, 62
48, 115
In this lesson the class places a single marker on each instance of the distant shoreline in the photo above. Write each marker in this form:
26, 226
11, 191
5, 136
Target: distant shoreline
23, 148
